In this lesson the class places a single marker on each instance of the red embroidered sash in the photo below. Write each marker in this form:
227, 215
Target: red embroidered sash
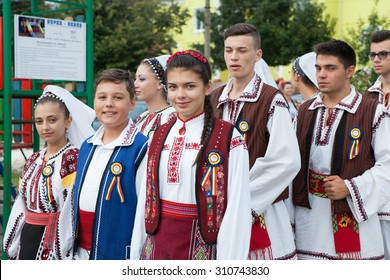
259, 237
179, 210
85, 229
345, 227
49, 220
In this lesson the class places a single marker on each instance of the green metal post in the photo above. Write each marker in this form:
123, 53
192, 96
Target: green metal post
89, 55
7, 109
35, 84
34, 7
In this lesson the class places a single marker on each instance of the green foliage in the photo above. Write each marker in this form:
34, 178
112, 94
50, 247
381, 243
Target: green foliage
288, 28
360, 36
363, 79
127, 31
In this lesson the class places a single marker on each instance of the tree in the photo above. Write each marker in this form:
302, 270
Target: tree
288, 28
360, 37
127, 31
360, 40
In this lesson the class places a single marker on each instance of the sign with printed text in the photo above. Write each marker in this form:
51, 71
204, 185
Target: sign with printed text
49, 49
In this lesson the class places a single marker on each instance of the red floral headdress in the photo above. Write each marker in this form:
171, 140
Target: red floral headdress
196, 55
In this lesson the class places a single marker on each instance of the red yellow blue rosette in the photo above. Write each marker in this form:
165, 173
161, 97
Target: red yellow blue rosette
356, 134
150, 133
47, 172
243, 127
116, 169
213, 159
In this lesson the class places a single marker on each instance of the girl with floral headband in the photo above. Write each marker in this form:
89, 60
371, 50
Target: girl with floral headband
194, 202
151, 87
39, 226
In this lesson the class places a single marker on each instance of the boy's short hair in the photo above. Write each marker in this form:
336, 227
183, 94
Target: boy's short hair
244, 29
117, 76
380, 36
339, 49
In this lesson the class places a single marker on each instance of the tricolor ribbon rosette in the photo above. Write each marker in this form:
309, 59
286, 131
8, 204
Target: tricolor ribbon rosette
47, 172
213, 159
243, 127
116, 169
356, 134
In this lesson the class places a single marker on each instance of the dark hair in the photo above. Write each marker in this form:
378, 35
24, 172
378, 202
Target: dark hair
53, 99
339, 49
380, 36
117, 76
286, 83
244, 29
159, 73
296, 68
307, 81
196, 62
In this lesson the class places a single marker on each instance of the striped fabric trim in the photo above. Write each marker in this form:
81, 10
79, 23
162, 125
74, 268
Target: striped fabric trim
179, 210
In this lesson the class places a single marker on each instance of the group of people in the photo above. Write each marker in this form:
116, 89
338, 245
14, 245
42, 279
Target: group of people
212, 174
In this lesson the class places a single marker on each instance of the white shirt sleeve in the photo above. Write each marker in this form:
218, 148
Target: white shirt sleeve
234, 234
370, 191
139, 233
271, 174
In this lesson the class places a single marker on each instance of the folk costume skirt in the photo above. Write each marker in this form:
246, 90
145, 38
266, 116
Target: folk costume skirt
178, 235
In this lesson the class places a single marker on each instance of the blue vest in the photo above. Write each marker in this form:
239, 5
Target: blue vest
114, 218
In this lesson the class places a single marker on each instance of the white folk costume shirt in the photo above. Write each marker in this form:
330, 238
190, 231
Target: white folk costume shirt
91, 185
271, 174
384, 213
293, 110
146, 125
234, 234
33, 197
313, 227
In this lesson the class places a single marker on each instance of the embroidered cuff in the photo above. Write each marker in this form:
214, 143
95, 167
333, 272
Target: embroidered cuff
355, 201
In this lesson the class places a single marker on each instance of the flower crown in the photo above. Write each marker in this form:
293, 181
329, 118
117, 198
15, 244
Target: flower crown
194, 54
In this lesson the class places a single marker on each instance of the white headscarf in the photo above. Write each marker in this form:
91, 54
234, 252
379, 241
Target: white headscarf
82, 115
159, 65
262, 69
305, 65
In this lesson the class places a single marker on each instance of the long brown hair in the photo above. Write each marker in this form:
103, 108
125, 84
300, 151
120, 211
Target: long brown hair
194, 61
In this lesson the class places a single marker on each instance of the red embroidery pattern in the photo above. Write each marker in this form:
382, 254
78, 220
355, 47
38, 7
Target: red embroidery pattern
277, 103
199, 249
324, 132
130, 134
233, 108
30, 161
382, 116
255, 90
192, 146
174, 160
237, 141
358, 199
189, 146
34, 189
151, 193
68, 163
166, 147
353, 104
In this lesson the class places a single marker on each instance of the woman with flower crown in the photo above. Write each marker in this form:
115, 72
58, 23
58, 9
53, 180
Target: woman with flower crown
194, 202
39, 226
151, 87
